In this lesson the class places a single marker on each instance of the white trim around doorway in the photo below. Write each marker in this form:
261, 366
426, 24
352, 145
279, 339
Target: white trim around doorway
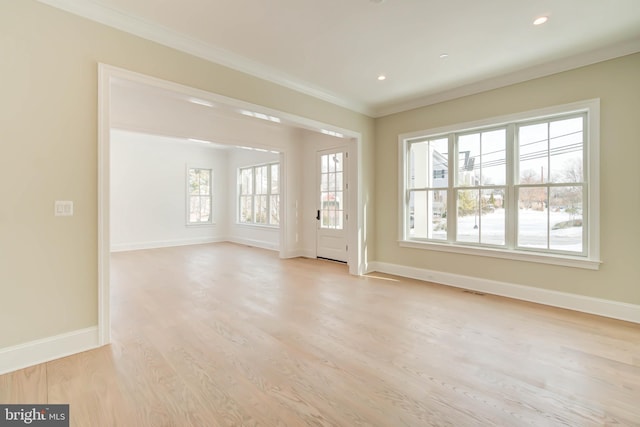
106, 75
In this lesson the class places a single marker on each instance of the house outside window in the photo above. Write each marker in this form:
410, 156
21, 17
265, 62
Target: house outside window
526, 184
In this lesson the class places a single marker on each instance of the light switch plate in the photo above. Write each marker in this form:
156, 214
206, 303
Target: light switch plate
63, 208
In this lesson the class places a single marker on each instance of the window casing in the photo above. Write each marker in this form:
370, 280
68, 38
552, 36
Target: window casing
259, 195
522, 187
199, 200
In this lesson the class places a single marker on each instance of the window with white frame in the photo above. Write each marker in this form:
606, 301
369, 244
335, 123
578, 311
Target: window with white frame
199, 189
259, 194
525, 184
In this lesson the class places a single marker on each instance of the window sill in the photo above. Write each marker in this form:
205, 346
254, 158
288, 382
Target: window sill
554, 259
200, 224
262, 226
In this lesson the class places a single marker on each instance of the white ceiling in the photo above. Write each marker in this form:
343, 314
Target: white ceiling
335, 49
152, 110
142, 107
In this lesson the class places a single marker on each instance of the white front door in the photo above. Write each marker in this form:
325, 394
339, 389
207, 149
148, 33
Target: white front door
331, 236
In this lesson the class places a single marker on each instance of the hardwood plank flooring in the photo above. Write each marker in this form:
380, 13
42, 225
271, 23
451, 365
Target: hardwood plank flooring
25, 386
227, 335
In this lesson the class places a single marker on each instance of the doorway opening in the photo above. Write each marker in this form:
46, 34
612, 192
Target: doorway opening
291, 170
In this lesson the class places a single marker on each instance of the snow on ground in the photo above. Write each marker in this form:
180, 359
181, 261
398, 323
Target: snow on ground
532, 230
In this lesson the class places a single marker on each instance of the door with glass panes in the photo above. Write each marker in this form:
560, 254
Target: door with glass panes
331, 236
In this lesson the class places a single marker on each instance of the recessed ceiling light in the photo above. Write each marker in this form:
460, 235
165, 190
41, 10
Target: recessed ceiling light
382, 77
261, 116
203, 141
258, 149
541, 20
444, 55
332, 133
200, 102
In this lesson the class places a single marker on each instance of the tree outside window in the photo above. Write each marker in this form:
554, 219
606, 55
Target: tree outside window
199, 189
259, 194
529, 174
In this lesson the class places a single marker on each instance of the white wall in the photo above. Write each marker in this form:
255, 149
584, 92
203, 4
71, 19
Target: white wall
148, 191
148, 196
140, 110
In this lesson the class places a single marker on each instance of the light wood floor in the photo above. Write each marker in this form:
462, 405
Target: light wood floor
225, 335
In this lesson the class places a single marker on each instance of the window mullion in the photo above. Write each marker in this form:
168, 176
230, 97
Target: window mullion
548, 187
511, 204
585, 219
269, 193
253, 194
586, 185
452, 211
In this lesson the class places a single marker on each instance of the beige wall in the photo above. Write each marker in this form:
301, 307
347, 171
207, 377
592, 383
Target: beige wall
48, 151
617, 84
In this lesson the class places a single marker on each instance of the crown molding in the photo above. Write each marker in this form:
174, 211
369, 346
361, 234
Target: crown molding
529, 73
123, 21
95, 11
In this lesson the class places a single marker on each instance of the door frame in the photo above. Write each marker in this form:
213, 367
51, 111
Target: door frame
106, 74
345, 189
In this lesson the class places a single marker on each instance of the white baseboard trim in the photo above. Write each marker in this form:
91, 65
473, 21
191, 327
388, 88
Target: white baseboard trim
255, 243
300, 253
122, 247
304, 253
291, 254
44, 350
585, 304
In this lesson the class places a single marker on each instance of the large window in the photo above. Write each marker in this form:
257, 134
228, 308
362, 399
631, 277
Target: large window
199, 196
524, 185
259, 194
